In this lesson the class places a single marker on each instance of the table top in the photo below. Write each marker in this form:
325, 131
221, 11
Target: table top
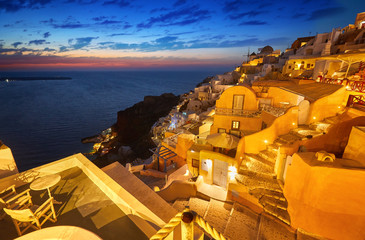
45, 182
61, 233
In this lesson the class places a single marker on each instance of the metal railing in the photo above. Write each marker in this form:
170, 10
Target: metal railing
275, 111
351, 85
237, 112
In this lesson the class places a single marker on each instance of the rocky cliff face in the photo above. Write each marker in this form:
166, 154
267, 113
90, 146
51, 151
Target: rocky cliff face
134, 123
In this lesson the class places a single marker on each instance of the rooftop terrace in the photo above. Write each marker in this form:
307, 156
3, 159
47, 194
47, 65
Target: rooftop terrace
84, 205
106, 202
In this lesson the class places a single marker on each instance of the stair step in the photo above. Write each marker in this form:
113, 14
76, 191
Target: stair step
258, 158
289, 138
281, 214
273, 147
180, 204
274, 192
268, 155
198, 205
259, 182
217, 214
242, 224
273, 201
247, 172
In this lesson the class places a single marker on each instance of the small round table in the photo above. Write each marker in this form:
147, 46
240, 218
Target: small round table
46, 182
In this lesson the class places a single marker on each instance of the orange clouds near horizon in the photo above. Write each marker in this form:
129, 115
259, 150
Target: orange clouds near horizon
27, 62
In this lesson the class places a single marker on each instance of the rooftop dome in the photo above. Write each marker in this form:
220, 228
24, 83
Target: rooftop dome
267, 49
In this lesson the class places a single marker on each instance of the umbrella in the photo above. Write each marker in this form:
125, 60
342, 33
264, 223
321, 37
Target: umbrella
223, 140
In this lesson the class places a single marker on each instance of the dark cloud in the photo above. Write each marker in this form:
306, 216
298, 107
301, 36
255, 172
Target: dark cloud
173, 43
105, 43
49, 50
16, 5
120, 3
254, 22
107, 22
46, 34
70, 25
100, 18
79, 43
163, 9
179, 3
230, 6
16, 44
118, 34
252, 13
38, 42
181, 17
49, 21
63, 49
325, 13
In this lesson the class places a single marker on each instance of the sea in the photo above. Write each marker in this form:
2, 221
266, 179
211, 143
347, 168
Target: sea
45, 120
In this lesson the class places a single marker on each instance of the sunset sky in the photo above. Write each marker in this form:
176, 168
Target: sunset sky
166, 34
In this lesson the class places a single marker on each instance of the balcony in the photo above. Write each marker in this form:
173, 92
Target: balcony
237, 112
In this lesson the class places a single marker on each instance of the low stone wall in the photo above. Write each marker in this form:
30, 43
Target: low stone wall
325, 198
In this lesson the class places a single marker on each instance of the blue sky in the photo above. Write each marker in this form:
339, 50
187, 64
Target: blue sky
157, 34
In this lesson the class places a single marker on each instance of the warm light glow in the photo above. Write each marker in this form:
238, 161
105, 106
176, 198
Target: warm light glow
339, 106
209, 163
314, 117
265, 141
187, 172
293, 124
232, 171
348, 87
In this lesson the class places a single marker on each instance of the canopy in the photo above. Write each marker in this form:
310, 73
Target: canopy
223, 140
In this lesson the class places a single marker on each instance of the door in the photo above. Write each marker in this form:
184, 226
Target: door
303, 112
238, 101
220, 173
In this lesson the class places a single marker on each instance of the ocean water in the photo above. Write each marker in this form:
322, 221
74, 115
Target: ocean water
42, 121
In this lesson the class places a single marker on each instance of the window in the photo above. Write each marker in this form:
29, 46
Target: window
236, 133
235, 125
195, 165
238, 101
221, 130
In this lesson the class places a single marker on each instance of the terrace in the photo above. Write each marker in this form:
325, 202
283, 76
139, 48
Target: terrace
93, 200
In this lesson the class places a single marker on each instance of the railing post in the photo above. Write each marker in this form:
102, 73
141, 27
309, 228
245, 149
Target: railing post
187, 225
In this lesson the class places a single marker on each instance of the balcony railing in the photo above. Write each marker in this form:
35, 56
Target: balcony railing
275, 111
351, 85
237, 112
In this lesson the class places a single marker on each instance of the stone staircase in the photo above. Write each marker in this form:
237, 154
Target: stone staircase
257, 171
236, 221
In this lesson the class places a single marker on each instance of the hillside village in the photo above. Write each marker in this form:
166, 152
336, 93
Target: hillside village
272, 150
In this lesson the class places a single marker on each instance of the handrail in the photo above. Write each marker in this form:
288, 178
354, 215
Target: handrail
209, 229
168, 228
175, 221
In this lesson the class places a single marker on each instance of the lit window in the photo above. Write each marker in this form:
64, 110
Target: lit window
221, 130
235, 125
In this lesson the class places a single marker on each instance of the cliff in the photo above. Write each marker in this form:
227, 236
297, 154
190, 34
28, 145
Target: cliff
133, 124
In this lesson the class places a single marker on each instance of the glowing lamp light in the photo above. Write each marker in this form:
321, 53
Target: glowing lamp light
209, 163
314, 117
265, 141
187, 172
348, 87
293, 123
232, 171
339, 107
